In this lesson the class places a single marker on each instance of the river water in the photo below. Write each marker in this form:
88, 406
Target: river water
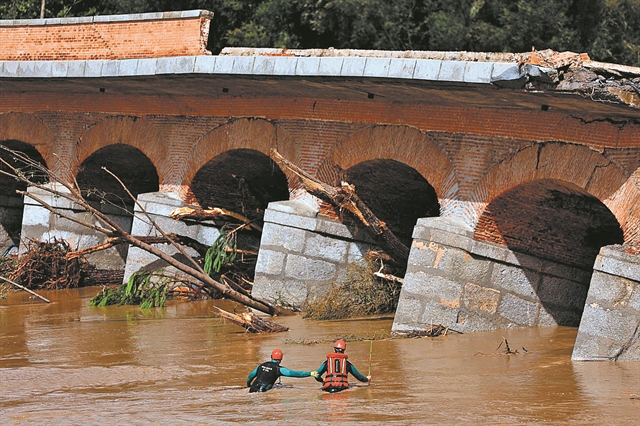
66, 363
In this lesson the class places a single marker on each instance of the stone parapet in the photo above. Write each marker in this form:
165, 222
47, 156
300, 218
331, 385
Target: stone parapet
302, 254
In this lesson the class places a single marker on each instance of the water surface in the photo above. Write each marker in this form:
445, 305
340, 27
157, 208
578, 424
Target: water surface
66, 363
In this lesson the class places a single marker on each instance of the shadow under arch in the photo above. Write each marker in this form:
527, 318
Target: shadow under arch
560, 204
402, 144
12, 204
396, 193
129, 164
134, 132
242, 180
257, 135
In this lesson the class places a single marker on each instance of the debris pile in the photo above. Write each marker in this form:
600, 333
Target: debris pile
361, 293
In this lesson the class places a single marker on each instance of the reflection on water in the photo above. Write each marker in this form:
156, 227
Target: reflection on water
68, 363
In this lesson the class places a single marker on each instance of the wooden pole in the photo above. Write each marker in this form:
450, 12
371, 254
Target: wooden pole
26, 289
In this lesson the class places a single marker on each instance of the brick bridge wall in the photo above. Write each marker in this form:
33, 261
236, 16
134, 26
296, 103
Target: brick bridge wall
469, 161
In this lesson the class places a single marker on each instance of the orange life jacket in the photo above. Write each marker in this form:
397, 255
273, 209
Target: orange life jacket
336, 371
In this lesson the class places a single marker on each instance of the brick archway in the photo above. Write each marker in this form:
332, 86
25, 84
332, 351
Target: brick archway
254, 134
572, 164
29, 129
404, 144
131, 131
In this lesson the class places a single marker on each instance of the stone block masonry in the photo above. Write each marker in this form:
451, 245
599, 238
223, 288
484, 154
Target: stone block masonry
301, 254
159, 205
470, 285
40, 224
610, 324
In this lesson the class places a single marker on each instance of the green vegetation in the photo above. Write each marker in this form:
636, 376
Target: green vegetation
222, 252
139, 290
608, 30
359, 294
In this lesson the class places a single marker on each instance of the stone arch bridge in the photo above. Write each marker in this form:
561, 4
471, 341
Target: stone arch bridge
515, 179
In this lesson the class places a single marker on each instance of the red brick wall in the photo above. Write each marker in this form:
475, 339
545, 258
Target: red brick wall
105, 40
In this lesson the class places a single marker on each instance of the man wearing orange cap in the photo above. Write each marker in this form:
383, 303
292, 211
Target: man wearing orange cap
338, 368
267, 373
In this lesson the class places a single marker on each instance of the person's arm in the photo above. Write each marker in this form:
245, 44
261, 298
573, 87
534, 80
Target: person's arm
252, 376
322, 369
292, 373
353, 370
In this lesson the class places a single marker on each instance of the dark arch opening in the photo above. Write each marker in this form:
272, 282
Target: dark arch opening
558, 222
12, 204
244, 181
129, 164
396, 193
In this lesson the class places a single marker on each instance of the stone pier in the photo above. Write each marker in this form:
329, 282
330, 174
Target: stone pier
40, 224
302, 254
609, 329
470, 285
159, 205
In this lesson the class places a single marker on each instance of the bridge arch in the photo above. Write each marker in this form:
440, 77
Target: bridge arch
396, 193
131, 131
575, 166
244, 134
29, 129
403, 144
241, 180
27, 134
129, 164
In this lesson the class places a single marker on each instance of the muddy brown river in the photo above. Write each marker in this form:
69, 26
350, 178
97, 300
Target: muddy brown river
66, 363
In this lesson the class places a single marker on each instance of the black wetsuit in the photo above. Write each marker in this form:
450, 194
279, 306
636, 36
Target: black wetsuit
267, 373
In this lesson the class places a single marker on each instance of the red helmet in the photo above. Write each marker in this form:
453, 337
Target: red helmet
276, 354
340, 344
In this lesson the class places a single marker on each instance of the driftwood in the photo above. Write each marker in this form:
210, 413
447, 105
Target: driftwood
507, 350
44, 266
345, 198
251, 322
25, 289
184, 213
110, 228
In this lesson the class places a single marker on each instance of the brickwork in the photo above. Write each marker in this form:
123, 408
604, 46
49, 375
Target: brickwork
102, 38
467, 170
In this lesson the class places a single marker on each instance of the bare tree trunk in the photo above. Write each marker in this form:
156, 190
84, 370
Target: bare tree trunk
345, 197
42, 9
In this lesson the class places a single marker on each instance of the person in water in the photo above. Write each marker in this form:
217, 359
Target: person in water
338, 368
267, 373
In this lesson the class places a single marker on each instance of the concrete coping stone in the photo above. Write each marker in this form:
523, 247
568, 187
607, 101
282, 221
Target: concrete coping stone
297, 207
453, 226
612, 260
460, 72
184, 14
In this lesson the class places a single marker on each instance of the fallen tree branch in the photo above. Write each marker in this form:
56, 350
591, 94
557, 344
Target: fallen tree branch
183, 213
345, 198
111, 229
26, 289
180, 239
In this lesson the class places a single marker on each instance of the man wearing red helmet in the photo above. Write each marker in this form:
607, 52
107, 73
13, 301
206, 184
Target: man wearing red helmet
338, 368
267, 373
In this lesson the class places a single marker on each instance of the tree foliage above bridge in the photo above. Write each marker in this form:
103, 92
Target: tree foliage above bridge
609, 30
